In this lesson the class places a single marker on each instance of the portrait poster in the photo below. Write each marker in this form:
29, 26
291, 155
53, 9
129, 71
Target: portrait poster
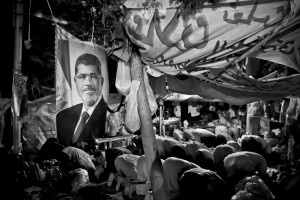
67, 53
80, 113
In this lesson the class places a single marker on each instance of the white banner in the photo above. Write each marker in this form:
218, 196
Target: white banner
204, 44
173, 41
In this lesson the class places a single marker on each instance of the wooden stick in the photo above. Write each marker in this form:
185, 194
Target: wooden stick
157, 177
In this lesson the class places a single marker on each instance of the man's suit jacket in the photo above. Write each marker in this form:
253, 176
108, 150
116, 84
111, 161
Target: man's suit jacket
67, 119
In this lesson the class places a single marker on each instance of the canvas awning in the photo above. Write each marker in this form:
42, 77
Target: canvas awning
184, 97
205, 45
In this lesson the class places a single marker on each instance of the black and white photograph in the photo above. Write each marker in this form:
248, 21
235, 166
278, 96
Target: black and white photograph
150, 100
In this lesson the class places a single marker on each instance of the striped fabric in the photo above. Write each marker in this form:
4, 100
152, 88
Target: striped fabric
62, 34
63, 76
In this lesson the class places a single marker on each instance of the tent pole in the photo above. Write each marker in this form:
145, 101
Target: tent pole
18, 20
158, 183
252, 68
160, 119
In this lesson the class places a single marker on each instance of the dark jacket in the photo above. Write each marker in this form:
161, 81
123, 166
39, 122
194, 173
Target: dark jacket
66, 121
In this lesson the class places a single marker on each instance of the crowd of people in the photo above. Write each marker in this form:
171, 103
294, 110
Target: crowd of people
217, 162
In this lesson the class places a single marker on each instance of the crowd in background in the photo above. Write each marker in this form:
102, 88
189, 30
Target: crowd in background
213, 157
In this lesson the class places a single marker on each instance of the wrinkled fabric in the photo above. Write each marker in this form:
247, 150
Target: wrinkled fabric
293, 109
271, 138
111, 154
191, 149
221, 129
256, 144
51, 149
178, 134
5, 103
205, 159
252, 187
234, 144
179, 151
123, 78
234, 132
222, 139
143, 175
132, 119
160, 148
221, 151
168, 143
205, 136
126, 165
203, 184
240, 164
79, 158
187, 134
80, 179
173, 169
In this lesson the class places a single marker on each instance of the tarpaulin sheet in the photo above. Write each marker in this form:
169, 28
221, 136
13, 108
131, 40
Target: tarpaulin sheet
203, 44
39, 124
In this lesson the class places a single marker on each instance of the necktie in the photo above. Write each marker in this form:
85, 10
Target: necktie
81, 125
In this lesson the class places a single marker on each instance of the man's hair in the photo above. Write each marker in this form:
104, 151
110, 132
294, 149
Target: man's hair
88, 59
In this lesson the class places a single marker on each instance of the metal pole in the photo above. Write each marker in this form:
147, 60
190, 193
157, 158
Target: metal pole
17, 23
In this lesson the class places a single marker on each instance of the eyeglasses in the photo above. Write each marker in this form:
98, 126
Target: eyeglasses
93, 76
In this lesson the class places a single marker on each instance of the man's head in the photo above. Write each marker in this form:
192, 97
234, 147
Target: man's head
88, 79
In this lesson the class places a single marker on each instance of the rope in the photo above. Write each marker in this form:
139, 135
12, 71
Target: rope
119, 107
51, 11
93, 29
29, 20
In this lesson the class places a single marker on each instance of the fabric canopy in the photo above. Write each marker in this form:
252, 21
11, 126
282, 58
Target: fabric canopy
206, 45
184, 97
39, 123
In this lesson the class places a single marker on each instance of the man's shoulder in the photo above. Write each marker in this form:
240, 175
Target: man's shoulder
102, 105
69, 110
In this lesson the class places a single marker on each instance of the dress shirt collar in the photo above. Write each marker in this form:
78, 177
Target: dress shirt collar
91, 109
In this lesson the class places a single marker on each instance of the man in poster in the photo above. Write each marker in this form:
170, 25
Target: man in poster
93, 109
